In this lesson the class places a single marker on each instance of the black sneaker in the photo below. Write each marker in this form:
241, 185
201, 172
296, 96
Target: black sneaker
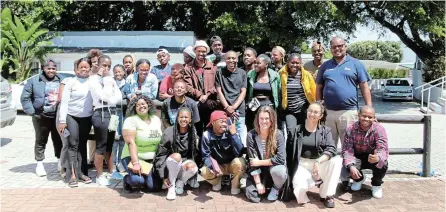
127, 187
345, 185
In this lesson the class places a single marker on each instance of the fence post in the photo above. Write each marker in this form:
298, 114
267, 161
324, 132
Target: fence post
427, 145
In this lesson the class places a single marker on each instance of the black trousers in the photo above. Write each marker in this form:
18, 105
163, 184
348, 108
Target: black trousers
79, 129
104, 138
363, 163
43, 126
293, 119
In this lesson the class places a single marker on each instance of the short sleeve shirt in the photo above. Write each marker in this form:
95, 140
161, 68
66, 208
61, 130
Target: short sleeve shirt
161, 72
148, 136
171, 107
340, 82
231, 84
166, 86
310, 67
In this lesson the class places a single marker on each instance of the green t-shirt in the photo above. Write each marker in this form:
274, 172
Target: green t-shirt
148, 136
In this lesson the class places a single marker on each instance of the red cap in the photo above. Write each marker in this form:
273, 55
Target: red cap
216, 115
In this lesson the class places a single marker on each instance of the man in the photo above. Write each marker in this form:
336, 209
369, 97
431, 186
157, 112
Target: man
365, 147
200, 83
221, 152
318, 52
163, 69
93, 55
173, 104
188, 55
249, 58
337, 83
231, 83
39, 99
217, 52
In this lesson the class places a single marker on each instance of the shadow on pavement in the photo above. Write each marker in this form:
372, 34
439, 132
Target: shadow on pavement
5, 141
51, 172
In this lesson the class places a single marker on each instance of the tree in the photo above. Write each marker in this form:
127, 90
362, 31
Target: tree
24, 43
419, 24
377, 50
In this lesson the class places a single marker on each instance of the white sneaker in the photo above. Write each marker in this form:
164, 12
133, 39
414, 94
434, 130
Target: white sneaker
40, 169
377, 192
171, 195
179, 187
59, 166
102, 180
217, 187
356, 186
235, 191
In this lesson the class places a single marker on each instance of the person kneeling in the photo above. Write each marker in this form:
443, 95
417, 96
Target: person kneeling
311, 158
175, 158
221, 152
365, 147
266, 151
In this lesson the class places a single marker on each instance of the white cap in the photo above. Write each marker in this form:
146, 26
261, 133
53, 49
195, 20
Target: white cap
202, 43
162, 51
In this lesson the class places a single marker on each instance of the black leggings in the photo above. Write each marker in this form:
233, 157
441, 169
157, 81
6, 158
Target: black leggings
79, 129
104, 138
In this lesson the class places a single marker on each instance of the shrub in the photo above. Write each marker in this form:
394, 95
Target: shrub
383, 73
434, 69
376, 50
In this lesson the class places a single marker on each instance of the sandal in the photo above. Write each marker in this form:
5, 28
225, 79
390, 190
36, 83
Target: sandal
329, 202
72, 183
86, 179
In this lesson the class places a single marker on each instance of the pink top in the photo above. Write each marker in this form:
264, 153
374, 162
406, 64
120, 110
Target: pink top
166, 86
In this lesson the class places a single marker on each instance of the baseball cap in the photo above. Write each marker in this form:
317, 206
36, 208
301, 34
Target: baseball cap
50, 62
216, 115
162, 51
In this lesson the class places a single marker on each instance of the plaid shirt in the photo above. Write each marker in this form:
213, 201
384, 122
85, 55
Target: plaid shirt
357, 142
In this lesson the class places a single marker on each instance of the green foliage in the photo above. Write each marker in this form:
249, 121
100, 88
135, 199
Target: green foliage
434, 69
23, 42
383, 73
377, 50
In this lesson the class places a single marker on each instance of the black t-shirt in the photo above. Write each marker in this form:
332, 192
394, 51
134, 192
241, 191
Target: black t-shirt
171, 107
309, 145
183, 145
231, 84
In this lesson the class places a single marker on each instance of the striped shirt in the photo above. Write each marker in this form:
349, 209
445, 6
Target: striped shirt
357, 141
264, 148
295, 93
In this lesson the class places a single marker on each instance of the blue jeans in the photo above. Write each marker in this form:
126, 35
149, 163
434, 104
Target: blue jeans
117, 151
241, 129
152, 181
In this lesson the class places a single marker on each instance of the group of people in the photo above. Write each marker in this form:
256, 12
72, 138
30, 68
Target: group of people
274, 121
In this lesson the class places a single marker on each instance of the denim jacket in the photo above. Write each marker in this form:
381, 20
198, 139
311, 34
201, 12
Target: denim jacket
149, 87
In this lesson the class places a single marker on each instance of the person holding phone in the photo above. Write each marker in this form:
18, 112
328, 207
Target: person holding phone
266, 152
221, 151
76, 109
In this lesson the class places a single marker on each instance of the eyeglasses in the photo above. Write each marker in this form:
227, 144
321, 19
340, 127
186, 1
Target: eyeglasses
314, 112
338, 46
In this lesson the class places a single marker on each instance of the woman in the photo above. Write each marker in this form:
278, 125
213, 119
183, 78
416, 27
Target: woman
142, 82
142, 135
105, 94
266, 152
76, 109
263, 88
312, 158
176, 153
298, 91
118, 145
166, 87
278, 58
129, 66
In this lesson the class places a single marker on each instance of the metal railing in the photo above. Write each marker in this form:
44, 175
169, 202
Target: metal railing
426, 120
440, 81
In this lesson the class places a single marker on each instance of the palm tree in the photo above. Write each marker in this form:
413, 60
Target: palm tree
24, 43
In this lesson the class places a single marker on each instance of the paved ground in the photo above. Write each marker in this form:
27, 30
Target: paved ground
22, 190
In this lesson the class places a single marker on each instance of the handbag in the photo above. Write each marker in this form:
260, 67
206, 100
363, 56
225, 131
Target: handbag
254, 104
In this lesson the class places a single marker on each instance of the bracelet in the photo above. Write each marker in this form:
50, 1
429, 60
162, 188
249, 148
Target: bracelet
137, 162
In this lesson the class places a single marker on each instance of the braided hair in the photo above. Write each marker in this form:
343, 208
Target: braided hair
192, 136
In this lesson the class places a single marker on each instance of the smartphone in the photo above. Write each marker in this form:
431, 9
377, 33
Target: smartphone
66, 133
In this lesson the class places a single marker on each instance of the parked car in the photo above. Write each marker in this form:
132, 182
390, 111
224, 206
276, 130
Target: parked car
398, 88
8, 110
18, 88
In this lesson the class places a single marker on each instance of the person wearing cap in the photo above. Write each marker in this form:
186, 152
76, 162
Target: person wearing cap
200, 83
318, 52
188, 55
278, 58
217, 56
221, 151
163, 69
231, 83
39, 100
